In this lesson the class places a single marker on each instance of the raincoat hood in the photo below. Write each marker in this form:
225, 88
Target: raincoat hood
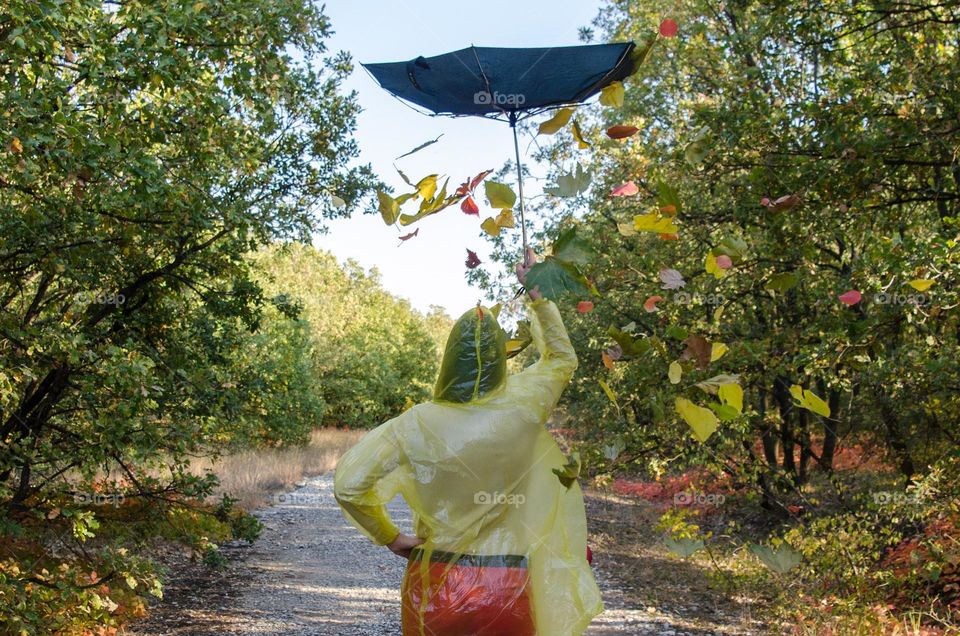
475, 359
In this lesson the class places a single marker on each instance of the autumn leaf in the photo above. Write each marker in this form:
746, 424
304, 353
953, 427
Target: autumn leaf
610, 394
607, 360
505, 219
15, 146
921, 284
622, 131
712, 267
337, 202
420, 147
389, 209
407, 237
701, 421
699, 349
669, 28
786, 202
472, 260
807, 399
783, 281
490, 227
572, 184
555, 123
584, 307
724, 262
650, 304
499, 195
469, 206
850, 298
671, 279
653, 222
578, 136
717, 351
612, 95
731, 395
675, 372
683, 547
627, 189
568, 473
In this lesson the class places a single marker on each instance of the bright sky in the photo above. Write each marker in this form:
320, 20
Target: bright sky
429, 269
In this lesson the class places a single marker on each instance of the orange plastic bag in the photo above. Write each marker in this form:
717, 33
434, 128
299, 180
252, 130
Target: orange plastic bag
504, 539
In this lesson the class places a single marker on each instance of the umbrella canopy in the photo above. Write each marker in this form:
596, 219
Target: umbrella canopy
488, 81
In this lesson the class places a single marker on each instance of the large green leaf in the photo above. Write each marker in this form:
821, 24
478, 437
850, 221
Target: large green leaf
572, 248
555, 278
781, 559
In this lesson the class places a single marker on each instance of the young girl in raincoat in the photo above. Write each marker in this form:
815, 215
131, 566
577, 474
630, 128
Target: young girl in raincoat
501, 544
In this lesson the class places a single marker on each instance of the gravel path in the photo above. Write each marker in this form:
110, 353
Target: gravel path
312, 574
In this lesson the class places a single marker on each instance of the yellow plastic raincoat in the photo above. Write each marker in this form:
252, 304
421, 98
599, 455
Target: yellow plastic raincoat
476, 463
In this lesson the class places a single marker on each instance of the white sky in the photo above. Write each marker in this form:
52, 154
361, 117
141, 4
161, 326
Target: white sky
429, 269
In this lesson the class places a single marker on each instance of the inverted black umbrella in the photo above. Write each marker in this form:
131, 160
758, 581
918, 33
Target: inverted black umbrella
506, 83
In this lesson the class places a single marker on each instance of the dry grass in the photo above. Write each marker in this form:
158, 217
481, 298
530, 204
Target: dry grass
253, 476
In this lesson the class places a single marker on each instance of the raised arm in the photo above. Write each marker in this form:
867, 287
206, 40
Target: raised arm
367, 478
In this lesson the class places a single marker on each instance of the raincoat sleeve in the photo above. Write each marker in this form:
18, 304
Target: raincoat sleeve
367, 477
545, 380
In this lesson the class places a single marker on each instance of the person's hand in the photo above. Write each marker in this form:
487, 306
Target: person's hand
530, 259
402, 545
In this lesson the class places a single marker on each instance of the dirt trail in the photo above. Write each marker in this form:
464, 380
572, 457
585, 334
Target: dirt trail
312, 574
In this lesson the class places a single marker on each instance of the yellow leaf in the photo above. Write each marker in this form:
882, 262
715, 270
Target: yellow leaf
626, 229
555, 123
490, 227
578, 136
921, 284
612, 95
505, 219
427, 186
808, 400
653, 223
717, 351
15, 146
712, 268
610, 394
675, 372
732, 395
702, 421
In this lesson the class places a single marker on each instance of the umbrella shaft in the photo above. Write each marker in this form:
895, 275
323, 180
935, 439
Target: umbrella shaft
516, 149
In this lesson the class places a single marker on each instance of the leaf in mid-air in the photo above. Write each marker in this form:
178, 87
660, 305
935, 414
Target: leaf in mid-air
675, 372
337, 202
627, 189
555, 278
420, 147
921, 284
653, 222
612, 94
578, 136
781, 559
712, 385
472, 260
783, 281
701, 420
610, 394
732, 395
505, 218
389, 209
712, 267
669, 28
427, 186
469, 206
555, 123
568, 473
683, 547
698, 349
499, 195
671, 279
807, 399
572, 184
606, 359
650, 305
570, 247
850, 298
490, 227
629, 345
698, 149
717, 351
407, 237
622, 131
667, 197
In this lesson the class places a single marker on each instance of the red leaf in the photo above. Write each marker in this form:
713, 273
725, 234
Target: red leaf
463, 189
669, 237
584, 306
472, 259
627, 189
850, 298
407, 237
724, 262
669, 28
621, 132
480, 177
651, 303
469, 206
